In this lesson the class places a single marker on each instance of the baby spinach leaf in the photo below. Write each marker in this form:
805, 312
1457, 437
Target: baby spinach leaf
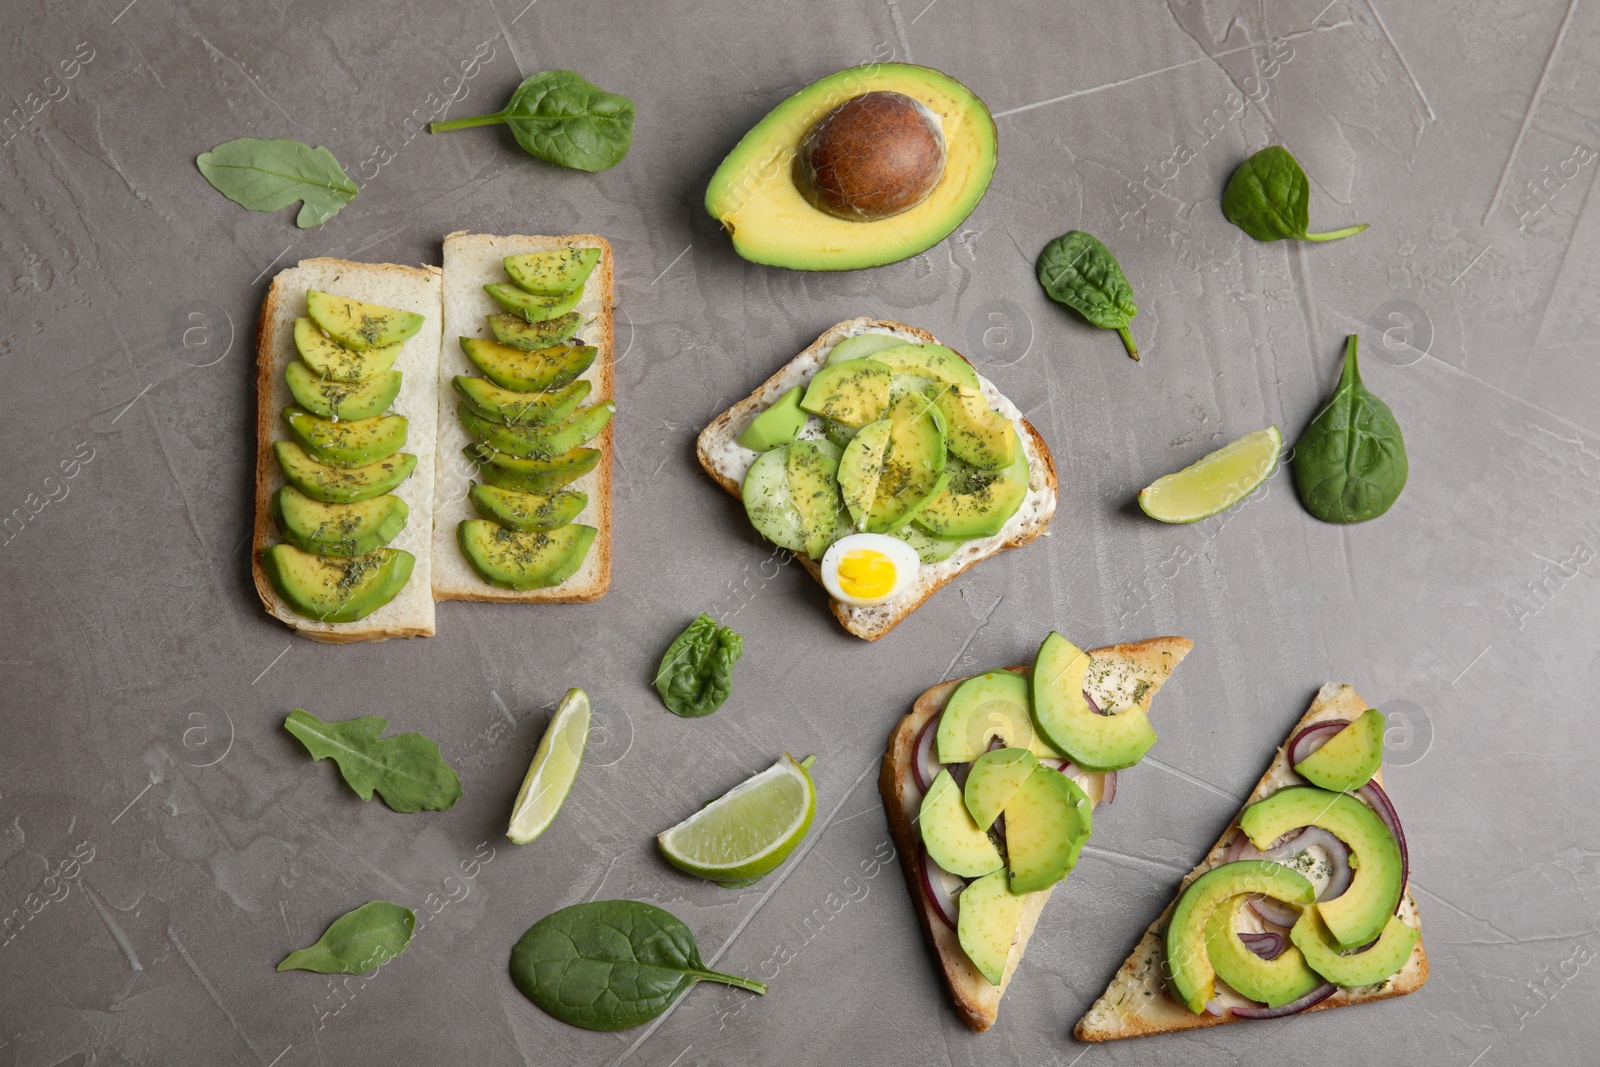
1268, 198
561, 117
611, 964
406, 770
1077, 270
696, 674
357, 941
271, 175
1350, 464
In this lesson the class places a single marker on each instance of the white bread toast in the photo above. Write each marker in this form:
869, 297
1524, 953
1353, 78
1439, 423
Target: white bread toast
1138, 1003
470, 262
1136, 673
727, 461
410, 613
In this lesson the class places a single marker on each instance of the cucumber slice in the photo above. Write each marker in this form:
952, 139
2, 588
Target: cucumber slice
863, 345
540, 442
527, 511
333, 399
930, 549
553, 273
524, 371
533, 308
766, 500
512, 559
338, 529
511, 408
518, 332
341, 485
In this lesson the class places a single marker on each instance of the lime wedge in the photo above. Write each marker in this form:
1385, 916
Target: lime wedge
1215, 483
554, 767
744, 834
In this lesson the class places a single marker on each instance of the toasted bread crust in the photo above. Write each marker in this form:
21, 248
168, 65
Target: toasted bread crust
725, 427
976, 1001
265, 526
601, 334
1162, 1014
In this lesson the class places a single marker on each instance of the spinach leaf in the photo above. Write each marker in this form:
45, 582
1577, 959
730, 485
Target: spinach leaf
271, 175
406, 770
1077, 270
611, 964
1350, 464
1268, 198
357, 941
696, 674
561, 117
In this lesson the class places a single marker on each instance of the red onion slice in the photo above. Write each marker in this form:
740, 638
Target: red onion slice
1338, 853
924, 764
1092, 705
1268, 946
1379, 801
1311, 999
1312, 738
1274, 911
1108, 783
1214, 1006
942, 889
1108, 791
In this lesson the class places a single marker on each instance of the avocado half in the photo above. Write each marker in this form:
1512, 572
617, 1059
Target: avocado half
754, 195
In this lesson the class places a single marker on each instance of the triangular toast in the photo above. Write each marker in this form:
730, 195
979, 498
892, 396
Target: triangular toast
1137, 672
1138, 1002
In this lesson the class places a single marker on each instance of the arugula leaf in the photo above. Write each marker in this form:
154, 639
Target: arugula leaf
1350, 465
696, 674
559, 116
611, 964
406, 770
357, 941
271, 175
1077, 270
1268, 198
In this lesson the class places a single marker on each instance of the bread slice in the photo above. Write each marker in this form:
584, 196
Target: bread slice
1119, 675
727, 461
410, 614
472, 260
1137, 1001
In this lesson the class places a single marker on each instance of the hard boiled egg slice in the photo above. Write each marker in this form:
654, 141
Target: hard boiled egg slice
868, 568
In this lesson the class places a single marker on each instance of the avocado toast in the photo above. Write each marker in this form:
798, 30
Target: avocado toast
1143, 998
1125, 676
725, 453
523, 483
344, 440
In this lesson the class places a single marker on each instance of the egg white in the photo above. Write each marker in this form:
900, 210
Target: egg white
900, 555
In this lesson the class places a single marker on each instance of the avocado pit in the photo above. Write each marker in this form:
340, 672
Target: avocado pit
874, 156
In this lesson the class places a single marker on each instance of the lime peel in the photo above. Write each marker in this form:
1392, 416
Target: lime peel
747, 832
1216, 482
553, 770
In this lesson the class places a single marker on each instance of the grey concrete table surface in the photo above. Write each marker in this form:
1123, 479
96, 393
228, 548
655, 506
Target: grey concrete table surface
189, 844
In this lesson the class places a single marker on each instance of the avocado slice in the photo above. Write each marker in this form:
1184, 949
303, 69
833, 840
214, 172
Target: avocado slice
770, 221
913, 464
860, 467
553, 273
527, 511
540, 442
356, 443
975, 503
332, 399
525, 371
1359, 914
985, 707
333, 589
854, 392
338, 529
767, 501
986, 924
1047, 822
813, 473
1281, 980
933, 362
1061, 711
1189, 969
514, 559
358, 325
930, 549
341, 485
1369, 966
518, 332
977, 433
953, 840
862, 345
777, 425
330, 359
1348, 759
533, 308
993, 780
510, 408
532, 475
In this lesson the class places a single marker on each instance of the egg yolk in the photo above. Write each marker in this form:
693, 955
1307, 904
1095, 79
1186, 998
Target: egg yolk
866, 574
